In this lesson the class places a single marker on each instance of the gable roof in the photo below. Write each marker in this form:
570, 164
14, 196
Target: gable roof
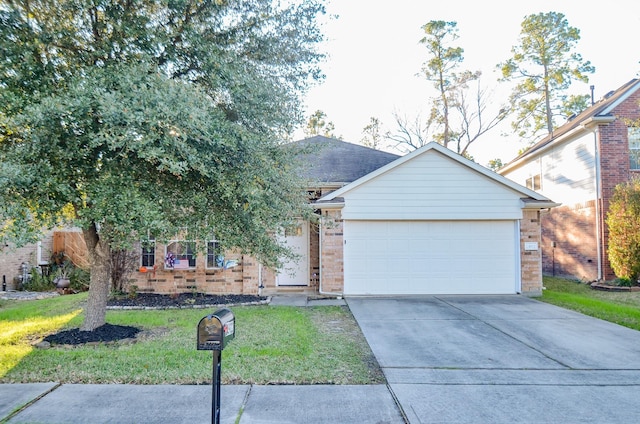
599, 113
328, 160
529, 197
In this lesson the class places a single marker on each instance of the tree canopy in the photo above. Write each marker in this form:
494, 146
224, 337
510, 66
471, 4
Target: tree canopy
458, 113
317, 124
129, 118
544, 65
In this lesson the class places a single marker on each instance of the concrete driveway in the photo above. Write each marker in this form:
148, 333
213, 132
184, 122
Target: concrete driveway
501, 359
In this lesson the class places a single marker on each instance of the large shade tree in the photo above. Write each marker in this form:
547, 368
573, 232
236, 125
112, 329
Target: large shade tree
458, 114
544, 65
129, 118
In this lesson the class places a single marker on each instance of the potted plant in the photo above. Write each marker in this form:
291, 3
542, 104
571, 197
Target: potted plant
61, 279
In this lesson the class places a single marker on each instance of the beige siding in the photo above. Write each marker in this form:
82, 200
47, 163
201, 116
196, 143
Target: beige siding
418, 190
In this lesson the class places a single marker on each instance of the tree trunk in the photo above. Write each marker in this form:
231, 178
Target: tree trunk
99, 256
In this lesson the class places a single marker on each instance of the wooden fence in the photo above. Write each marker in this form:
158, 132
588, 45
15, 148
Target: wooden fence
73, 245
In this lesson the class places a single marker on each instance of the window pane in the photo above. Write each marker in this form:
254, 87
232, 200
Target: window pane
633, 134
148, 253
180, 254
212, 250
534, 183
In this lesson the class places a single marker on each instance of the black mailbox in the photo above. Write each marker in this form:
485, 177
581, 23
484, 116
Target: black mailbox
216, 330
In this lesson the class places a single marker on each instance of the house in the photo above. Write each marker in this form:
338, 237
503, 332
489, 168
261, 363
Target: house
33, 254
430, 222
580, 165
327, 164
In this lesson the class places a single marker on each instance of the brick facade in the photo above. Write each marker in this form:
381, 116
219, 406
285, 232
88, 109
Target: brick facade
569, 242
11, 258
614, 163
248, 277
245, 278
530, 260
332, 252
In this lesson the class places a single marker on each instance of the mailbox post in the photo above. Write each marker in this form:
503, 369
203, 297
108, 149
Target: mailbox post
214, 332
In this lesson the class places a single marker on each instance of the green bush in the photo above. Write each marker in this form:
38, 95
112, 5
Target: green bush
623, 219
79, 279
38, 282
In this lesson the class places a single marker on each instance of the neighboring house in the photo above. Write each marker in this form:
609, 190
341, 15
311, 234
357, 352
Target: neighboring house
580, 165
34, 254
430, 222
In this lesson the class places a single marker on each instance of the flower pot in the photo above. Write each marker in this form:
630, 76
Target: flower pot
62, 283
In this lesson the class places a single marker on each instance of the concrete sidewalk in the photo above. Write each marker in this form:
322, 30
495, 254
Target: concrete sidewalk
453, 359
172, 404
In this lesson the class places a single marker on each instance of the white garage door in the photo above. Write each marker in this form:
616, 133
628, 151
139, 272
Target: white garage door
430, 257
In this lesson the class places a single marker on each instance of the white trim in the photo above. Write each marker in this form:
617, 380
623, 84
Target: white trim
518, 252
621, 99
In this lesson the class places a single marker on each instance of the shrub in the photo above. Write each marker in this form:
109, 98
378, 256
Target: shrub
79, 279
38, 282
623, 220
123, 263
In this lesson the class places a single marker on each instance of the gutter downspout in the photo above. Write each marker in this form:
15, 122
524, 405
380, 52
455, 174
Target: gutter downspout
598, 189
593, 125
260, 285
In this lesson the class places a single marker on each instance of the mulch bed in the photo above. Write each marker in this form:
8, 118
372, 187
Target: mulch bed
112, 333
182, 300
104, 334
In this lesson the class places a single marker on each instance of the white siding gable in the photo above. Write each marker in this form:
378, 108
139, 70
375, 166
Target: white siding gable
567, 170
431, 186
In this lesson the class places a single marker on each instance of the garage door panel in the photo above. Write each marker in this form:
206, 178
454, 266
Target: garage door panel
430, 257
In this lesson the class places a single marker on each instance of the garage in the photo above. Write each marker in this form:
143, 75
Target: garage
432, 222
421, 257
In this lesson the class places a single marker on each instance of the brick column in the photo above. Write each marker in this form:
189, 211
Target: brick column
530, 260
332, 252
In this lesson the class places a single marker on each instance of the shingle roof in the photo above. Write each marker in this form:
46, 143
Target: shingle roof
329, 160
599, 109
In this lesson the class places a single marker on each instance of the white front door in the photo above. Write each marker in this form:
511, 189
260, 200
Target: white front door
296, 273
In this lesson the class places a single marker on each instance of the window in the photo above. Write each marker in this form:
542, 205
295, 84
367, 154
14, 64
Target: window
148, 252
633, 134
214, 258
534, 182
180, 254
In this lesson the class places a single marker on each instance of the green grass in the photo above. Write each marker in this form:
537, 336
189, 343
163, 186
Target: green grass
273, 345
619, 307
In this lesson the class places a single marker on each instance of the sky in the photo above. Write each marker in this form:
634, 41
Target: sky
374, 56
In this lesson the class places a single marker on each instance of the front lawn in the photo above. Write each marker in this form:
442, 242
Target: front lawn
619, 307
273, 345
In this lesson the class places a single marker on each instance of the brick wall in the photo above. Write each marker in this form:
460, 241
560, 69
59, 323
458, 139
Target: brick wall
11, 258
614, 159
332, 252
241, 279
569, 242
530, 260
